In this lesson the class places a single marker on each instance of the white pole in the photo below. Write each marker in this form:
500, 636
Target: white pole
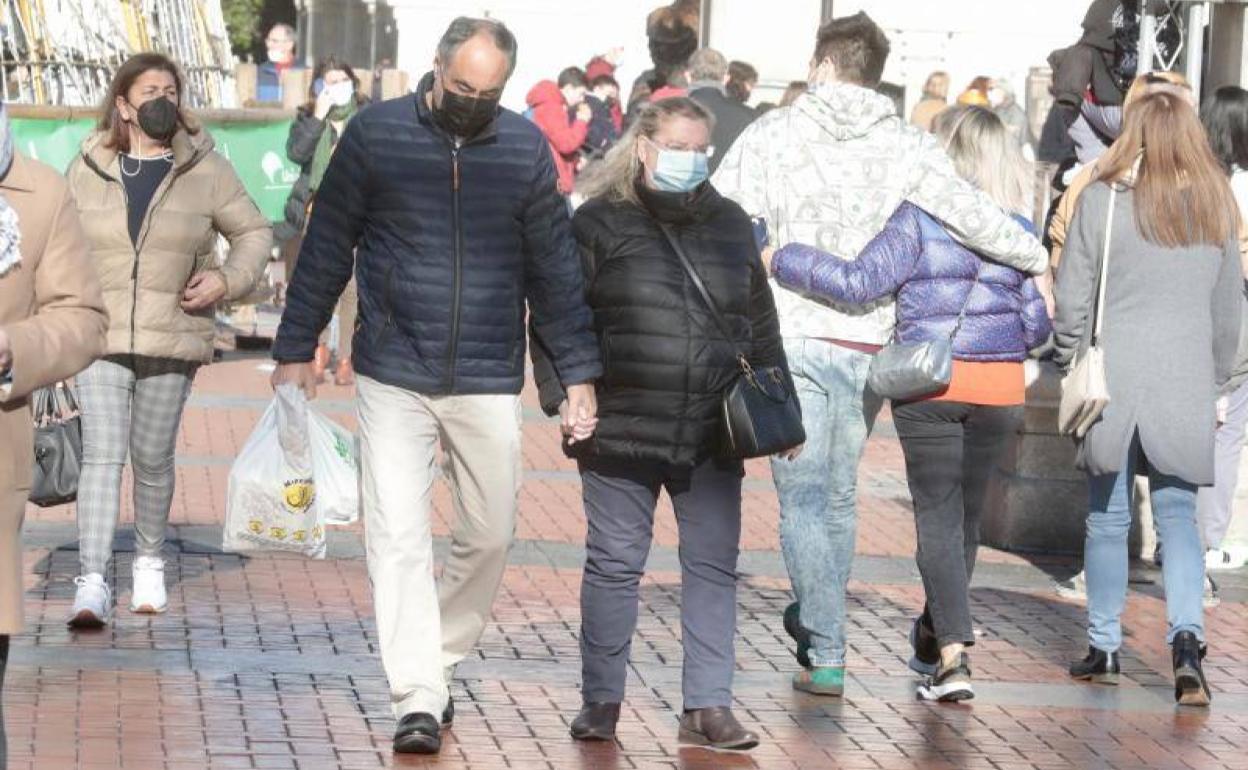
1197, 21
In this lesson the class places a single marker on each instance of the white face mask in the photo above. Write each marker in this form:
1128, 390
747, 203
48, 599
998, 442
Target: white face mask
278, 55
340, 94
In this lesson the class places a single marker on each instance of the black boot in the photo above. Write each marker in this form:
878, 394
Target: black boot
596, 722
794, 628
1190, 687
926, 657
417, 733
1100, 667
448, 714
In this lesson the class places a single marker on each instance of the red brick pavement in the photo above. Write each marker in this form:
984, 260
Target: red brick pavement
269, 662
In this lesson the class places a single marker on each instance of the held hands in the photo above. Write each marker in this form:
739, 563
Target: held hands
584, 112
578, 415
768, 253
324, 103
204, 290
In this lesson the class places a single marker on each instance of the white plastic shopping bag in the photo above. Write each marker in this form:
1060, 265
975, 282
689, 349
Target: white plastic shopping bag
270, 505
335, 467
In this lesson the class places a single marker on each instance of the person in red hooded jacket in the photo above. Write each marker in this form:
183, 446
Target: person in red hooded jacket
551, 104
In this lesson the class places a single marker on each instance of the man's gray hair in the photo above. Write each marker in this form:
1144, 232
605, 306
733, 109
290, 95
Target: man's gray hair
284, 27
707, 64
466, 28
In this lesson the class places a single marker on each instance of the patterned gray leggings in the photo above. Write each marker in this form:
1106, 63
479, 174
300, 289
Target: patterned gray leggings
129, 403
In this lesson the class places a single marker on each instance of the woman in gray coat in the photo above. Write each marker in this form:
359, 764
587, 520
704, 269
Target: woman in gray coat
1171, 325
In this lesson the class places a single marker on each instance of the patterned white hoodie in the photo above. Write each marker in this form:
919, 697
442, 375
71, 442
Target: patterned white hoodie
830, 169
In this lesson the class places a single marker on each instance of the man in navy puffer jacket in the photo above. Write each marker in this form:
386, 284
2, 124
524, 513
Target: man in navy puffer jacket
448, 207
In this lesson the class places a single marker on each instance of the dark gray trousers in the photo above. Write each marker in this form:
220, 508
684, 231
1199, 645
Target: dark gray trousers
620, 497
951, 451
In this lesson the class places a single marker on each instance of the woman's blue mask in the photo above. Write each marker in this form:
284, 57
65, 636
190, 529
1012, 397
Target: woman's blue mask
679, 171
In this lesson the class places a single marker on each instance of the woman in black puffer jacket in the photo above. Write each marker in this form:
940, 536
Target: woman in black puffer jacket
666, 366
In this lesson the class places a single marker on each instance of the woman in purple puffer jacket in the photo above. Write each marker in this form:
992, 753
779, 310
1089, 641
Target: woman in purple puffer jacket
951, 439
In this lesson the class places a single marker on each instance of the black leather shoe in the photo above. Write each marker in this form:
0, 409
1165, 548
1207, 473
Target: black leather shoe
1100, 667
1190, 687
716, 728
448, 713
794, 628
926, 657
418, 733
596, 722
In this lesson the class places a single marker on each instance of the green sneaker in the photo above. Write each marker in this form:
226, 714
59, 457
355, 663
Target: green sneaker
821, 680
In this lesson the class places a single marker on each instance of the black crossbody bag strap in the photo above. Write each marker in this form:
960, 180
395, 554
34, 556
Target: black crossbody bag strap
702, 292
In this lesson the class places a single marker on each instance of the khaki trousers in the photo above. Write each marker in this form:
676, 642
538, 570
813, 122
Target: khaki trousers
425, 627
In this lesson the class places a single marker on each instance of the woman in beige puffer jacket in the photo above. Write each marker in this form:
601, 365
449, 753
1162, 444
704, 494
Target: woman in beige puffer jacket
154, 198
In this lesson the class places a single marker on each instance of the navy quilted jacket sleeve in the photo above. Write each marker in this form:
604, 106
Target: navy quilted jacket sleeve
327, 256
558, 314
879, 271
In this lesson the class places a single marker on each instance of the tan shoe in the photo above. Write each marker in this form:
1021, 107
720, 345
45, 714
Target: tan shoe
715, 728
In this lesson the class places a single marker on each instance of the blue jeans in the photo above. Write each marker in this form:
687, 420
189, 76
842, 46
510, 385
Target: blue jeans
818, 509
1105, 551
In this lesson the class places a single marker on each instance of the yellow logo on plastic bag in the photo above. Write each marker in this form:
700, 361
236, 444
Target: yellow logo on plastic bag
299, 535
317, 532
256, 526
277, 533
298, 495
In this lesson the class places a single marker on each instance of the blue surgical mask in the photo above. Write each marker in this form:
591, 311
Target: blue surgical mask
679, 170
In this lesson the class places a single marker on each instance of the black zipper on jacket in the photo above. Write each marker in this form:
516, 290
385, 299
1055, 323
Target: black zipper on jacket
453, 351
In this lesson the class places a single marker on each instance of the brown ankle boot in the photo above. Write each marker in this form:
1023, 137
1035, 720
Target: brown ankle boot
717, 728
596, 722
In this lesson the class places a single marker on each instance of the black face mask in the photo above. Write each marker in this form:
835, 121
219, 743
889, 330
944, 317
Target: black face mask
159, 119
464, 116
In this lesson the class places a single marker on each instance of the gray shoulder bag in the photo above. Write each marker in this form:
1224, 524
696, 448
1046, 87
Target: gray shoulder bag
907, 370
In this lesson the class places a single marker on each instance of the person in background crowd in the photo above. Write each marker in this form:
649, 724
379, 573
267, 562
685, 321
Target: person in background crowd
280, 45
449, 210
379, 72
154, 197
828, 171
551, 103
1225, 116
952, 439
742, 79
935, 100
607, 121
1174, 248
606, 64
791, 93
672, 32
1002, 101
976, 94
659, 410
52, 325
708, 76
333, 100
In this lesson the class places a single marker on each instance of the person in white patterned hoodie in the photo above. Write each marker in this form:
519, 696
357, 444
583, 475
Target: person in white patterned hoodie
829, 171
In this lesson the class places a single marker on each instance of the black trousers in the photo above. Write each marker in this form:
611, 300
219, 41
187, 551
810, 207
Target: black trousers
951, 451
4, 664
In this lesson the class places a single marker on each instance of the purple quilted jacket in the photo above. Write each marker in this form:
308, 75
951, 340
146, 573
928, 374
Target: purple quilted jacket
931, 274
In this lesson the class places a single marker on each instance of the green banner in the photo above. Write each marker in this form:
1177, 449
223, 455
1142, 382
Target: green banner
257, 150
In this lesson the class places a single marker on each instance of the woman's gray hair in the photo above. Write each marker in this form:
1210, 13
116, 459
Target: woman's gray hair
615, 176
984, 154
465, 28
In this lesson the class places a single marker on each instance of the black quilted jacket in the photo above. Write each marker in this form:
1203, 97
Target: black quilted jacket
449, 244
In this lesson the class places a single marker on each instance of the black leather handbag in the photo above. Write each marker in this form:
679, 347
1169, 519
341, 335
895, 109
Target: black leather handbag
761, 413
58, 446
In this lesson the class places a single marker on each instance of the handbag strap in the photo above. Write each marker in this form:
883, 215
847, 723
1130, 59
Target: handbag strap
702, 292
1098, 318
957, 326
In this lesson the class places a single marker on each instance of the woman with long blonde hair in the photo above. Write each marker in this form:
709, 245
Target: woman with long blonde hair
993, 315
1163, 216
666, 363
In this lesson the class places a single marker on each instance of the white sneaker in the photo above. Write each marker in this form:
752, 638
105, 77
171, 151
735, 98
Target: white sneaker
1230, 557
92, 603
149, 585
